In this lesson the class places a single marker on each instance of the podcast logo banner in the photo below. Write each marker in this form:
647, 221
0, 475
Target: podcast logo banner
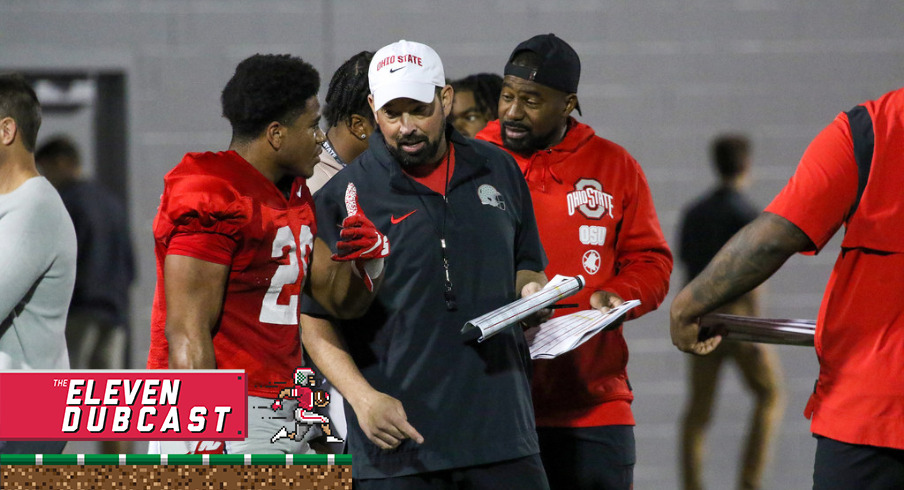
123, 405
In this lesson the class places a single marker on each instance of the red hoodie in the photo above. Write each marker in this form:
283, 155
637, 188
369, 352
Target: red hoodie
596, 219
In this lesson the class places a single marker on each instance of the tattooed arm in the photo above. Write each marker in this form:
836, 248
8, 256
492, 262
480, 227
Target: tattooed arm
748, 259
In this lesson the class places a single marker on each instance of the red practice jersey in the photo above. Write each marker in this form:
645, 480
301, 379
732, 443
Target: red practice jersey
218, 208
859, 340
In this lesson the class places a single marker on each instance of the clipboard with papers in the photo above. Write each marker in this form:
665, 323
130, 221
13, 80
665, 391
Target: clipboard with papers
566, 333
493, 322
763, 330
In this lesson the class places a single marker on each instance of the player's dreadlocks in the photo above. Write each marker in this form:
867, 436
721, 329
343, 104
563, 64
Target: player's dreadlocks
485, 87
347, 94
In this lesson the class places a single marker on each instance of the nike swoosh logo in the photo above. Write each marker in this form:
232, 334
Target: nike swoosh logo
393, 70
396, 221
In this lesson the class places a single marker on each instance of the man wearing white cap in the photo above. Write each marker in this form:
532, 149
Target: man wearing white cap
431, 408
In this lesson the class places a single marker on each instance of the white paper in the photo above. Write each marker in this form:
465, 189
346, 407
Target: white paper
491, 323
566, 333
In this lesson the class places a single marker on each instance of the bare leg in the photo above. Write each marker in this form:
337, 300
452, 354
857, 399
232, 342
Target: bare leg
761, 370
704, 374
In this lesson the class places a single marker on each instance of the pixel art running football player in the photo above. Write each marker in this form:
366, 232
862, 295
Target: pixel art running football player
308, 399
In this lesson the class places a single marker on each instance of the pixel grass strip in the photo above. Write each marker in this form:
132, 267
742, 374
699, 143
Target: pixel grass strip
175, 459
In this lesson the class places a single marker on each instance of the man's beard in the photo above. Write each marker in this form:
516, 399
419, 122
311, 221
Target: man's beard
529, 143
418, 158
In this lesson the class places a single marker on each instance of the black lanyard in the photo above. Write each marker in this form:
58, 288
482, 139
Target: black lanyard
448, 293
329, 149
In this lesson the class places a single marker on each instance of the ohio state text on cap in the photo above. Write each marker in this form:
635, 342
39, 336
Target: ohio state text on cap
405, 69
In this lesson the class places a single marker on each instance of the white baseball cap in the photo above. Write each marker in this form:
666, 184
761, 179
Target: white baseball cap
405, 69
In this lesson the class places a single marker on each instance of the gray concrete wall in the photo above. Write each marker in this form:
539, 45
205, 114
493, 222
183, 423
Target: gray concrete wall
660, 77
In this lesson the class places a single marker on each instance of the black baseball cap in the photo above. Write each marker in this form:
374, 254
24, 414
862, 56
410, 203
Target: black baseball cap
559, 66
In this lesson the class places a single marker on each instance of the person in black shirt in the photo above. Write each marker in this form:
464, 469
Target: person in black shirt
97, 328
430, 407
706, 225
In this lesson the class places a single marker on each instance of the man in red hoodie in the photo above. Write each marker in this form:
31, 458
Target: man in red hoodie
596, 218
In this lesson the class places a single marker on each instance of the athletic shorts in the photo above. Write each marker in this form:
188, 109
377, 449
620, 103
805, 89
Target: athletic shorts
263, 424
842, 466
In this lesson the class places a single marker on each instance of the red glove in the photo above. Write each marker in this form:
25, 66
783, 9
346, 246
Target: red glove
361, 241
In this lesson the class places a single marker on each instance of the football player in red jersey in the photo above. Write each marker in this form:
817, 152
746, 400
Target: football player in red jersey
235, 245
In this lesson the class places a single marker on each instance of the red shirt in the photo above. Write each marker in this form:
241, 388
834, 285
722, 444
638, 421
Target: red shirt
218, 208
437, 179
596, 218
859, 396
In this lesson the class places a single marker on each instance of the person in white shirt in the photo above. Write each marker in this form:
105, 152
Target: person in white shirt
37, 251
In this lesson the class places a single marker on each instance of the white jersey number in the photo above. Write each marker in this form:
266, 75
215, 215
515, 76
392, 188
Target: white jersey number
271, 311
